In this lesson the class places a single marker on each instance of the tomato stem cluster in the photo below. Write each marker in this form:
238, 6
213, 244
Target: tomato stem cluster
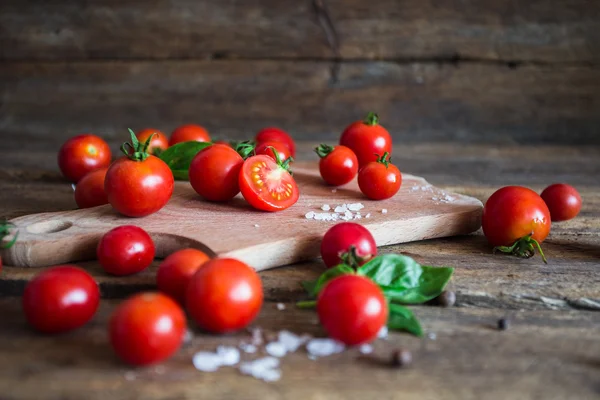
352, 259
372, 119
136, 150
523, 247
285, 164
385, 159
323, 150
5, 230
245, 148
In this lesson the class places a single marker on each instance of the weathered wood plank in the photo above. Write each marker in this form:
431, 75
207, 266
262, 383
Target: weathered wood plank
417, 102
539, 30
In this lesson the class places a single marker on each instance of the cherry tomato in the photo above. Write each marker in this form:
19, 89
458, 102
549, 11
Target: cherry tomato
338, 165
513, 213
341, 237
159, 142
189, 133
281, 148
366, 139
147, 328
175, 272
272, 134
83, 154
563, 201
225, 295
89, 191
138, 184
266, 185
125, 250
60, 299
379, 180
214, 172
352, 309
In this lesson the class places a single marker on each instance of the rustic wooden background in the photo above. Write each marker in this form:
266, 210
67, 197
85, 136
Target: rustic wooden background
437, 70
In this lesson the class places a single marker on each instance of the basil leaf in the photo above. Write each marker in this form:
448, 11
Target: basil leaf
403, 280
309, 286
330, 274
402, 319
179, 157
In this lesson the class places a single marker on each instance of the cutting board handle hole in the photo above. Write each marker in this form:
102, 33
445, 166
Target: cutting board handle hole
49, 226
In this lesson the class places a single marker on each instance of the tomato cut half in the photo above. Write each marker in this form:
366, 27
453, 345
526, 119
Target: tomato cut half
267, 185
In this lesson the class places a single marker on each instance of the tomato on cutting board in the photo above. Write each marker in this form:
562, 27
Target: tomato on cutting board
341, 238
176, 271
563, 201
159, 142
189, 133
138, 184
81, 155
338, 165
125, 250
272, 134
380, 179
89, 191
367, 139
266, 148
214, 172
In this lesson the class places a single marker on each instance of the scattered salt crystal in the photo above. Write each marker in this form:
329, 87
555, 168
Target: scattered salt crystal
432, 335
206, 361
256, 225
129, 376
434, 198
414, 188
384, 210
324, 347
280, 306
248, 348
383, 332
73, 186
368, 215
448, 198
325, 207
333, 190
262, 368
291, 341
276, 349
357, 216
309, 215
355, 206
341, 209
257, 336
366, 348
348, 214
229, 355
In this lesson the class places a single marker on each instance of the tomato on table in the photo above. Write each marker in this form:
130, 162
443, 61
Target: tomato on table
338, 165
515, 219
266, 148
147, 328
367, 139
214, 172
273, 134
347, 238
225, 295
89, 191
176, 271
7, 229
352, 309
81, 155
189, 133
158, 143
138, 184
125, 250
60, 299
379, 180
563, 201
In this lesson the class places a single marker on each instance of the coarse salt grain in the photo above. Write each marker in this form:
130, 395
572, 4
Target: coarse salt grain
280, 306
325, 207
341, 209
292, 341
383, 333
229, 355
206, 361
256, 225
432, 335
366, 348
384, 210
276, 349
324, 347
248, 348
355, 206
357, 216
368, 215
309, 215
262, 368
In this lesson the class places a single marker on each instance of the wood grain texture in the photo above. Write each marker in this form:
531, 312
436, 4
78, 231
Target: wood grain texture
46, 103
538, 30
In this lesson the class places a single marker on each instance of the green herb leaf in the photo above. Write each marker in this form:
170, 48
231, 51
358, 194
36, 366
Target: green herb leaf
309, 286
313, 288
403, 280
179, 157
402, 319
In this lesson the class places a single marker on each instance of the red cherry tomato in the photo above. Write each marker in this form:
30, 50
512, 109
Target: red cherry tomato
60, 299
175, 272
225, 295
125, 250
83, 154
379, 180
89, 191
341, 237
352, 309
159, 142
189, 133
273, 134
214, 172
366, 139
266, 185
281, 148
563, 201
147, 328
338, 165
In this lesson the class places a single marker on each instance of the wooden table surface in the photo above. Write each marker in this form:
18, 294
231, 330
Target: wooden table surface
550, 351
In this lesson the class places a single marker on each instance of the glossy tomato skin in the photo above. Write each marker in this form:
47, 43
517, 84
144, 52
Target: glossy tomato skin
273, 134
89, 191
366, 139
378, 181
339, 167
147, 328
352, 309
189, 133
138, 188
563, 201
60, 299
214, 172
281, 148
83, 154
266, 186
159, 141
513, 212
176, 271
125, 250
224, 295
340, 237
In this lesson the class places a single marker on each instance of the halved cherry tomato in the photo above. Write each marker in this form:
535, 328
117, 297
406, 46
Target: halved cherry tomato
367, 139
338, 165
563, 201
125, 250
189, 133
176, 271
266, 148
379, 180
214, 172
159, 142
339, 239
267, 185
89, 191
272, 134
83, 154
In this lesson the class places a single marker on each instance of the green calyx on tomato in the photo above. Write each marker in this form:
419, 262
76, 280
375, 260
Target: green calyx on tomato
136, 150
352, 259
323, 150
285, 164
372, 119
384, 159
523, 247
244, 148
5, 230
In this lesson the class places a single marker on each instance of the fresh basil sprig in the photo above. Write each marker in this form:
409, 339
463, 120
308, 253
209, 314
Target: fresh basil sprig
401, 318
179, 157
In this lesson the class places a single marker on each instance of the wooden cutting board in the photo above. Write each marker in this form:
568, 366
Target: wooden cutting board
263, 240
